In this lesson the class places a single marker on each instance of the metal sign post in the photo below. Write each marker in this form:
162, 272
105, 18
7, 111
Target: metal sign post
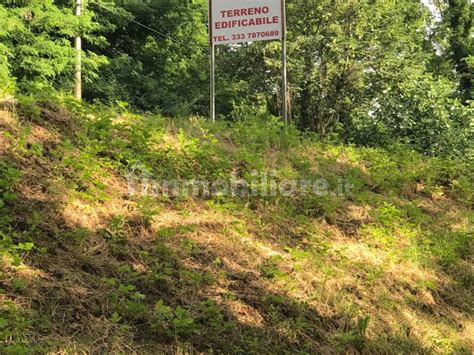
213, 83
78, 67
212, 102
284, 84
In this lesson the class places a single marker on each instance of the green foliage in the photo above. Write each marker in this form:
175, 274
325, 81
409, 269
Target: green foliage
148, 273
127, 301
36, 48
130, 305
9, 248
357, 336
449, 247
171, 322
14, 323
361, 70
161, 270
456, 28
161, 70
9, 175
212, 316
369, 73
270, 268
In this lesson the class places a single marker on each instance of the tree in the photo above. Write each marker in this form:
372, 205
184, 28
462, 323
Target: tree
458, 18
37, 42
162, 66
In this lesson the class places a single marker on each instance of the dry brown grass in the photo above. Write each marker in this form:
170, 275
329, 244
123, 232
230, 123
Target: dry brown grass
340, 278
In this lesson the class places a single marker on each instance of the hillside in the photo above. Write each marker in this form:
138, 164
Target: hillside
371, 254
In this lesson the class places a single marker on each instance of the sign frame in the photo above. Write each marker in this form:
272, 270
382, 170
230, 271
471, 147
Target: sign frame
212, 55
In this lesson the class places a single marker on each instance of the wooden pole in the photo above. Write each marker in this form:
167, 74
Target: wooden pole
78, 66
284, 83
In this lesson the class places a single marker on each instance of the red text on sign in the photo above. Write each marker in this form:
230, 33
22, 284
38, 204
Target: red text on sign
245, 12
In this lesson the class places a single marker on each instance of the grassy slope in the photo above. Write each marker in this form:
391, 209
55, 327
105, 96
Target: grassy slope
387, 269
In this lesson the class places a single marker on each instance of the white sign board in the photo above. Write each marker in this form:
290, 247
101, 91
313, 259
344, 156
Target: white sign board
234, 21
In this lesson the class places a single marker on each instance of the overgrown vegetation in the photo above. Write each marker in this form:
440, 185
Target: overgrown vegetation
368, 72
349, 230
88, 267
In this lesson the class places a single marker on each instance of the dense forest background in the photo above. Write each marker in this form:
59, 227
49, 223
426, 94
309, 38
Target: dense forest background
366, 72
